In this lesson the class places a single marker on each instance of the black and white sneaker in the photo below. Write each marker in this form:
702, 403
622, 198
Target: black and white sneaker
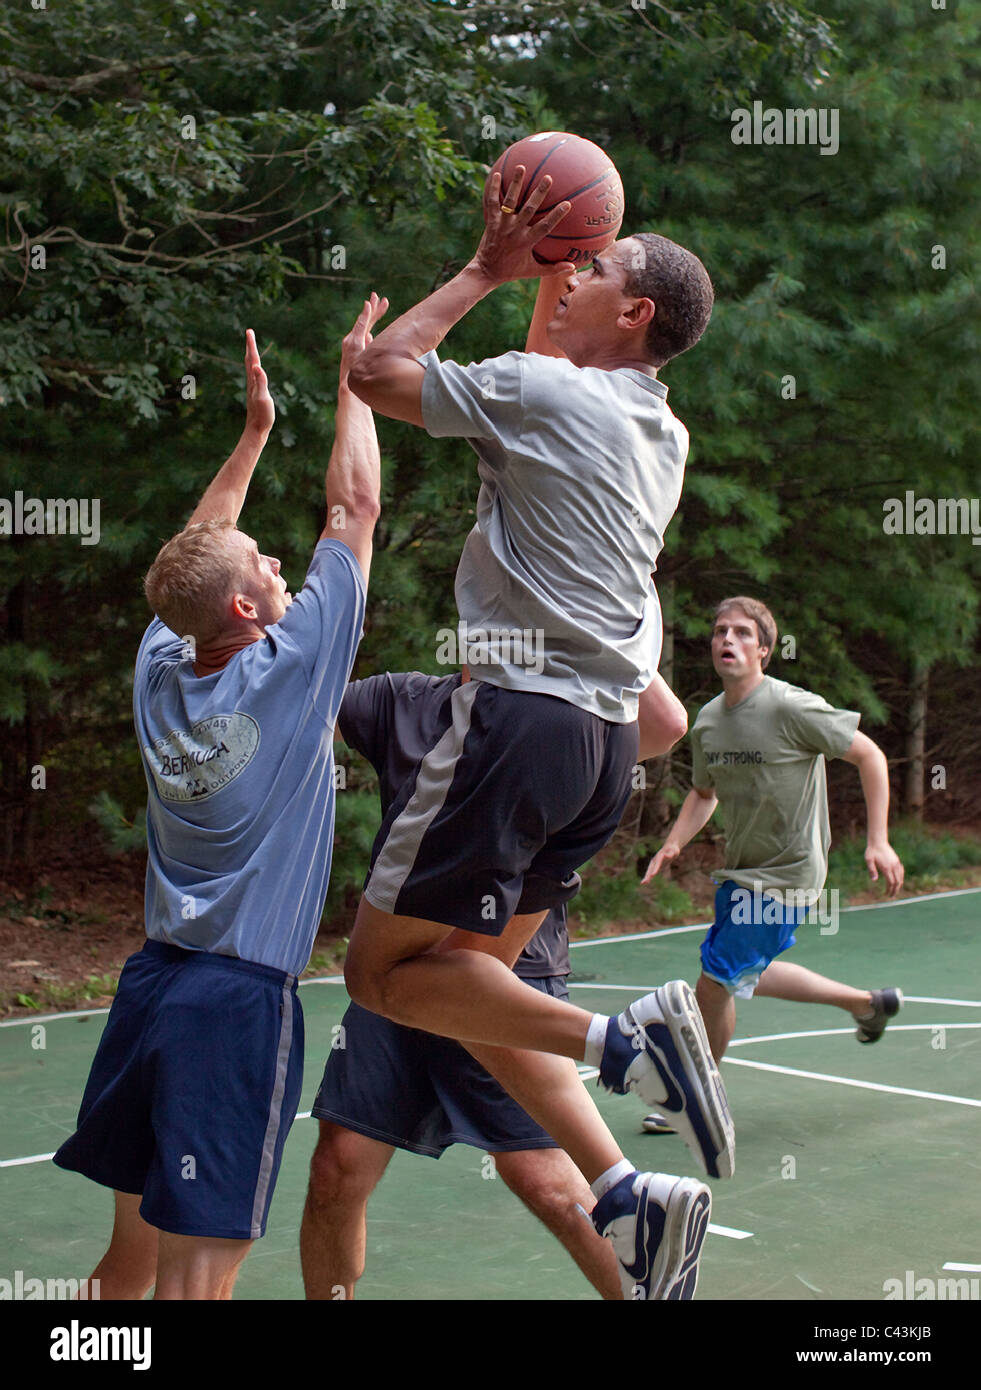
658, 1049
656, 1123
886, 1004
657, 1224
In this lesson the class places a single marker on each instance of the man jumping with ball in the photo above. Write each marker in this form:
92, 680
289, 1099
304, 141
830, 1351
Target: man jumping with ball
581, 466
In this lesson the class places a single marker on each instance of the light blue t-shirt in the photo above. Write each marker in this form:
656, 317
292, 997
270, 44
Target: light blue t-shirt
240, 770
580, 471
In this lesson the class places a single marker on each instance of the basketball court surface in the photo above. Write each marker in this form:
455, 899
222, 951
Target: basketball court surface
855, 1166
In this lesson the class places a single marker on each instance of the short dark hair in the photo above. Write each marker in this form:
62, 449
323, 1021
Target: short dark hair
766, 623
680, 287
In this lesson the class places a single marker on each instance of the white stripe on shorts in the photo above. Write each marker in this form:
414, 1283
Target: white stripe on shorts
275, 1117
398, 854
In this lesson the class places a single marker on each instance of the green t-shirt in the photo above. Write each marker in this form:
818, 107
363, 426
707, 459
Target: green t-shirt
764, 759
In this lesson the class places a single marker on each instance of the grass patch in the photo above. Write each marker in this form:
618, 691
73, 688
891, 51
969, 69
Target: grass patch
932, 860
612, 897
46, 998
329, 961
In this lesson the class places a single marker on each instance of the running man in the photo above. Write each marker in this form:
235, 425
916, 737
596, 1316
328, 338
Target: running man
386, 1086
581, 466
758, 751
197, 1077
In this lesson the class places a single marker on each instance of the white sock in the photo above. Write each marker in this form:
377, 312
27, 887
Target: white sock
595, 1040
611, 1177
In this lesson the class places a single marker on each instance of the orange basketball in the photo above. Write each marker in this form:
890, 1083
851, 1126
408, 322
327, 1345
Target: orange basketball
583, 175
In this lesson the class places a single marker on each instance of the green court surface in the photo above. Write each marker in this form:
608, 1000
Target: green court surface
854, 1164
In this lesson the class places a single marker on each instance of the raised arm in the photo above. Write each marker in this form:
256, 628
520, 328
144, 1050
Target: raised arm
353, 483
873, 770
226, 493
550, 290
389, 376
694, 815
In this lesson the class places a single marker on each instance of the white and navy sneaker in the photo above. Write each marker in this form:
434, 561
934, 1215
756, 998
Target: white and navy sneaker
656, 1124
886, 1004
658, 1048
657, 1224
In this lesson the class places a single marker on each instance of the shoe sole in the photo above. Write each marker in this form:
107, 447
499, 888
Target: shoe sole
714, 1149
686, 1222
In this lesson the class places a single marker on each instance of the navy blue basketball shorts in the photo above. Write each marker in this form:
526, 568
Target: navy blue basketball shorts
520, 785
193, 1089
420, 1092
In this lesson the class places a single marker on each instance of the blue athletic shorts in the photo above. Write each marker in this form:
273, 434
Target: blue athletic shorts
521, 788
750, 930
421, 1092
193, 1089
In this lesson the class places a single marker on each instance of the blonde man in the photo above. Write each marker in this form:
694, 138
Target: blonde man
237, 687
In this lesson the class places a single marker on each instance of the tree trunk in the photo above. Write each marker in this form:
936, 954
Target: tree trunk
916, 738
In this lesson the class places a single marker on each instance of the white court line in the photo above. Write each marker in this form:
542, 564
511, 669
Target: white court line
701, 926
730, 1231
639, 936
50, 1018
598, 941
848, 1081
926, 999
964, 1269
845, 1032
32, 1158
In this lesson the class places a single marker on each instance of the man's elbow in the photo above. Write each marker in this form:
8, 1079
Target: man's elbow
677, 725
658, 736
367, 376
364, 509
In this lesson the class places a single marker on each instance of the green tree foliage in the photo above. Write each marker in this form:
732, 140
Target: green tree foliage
186, 170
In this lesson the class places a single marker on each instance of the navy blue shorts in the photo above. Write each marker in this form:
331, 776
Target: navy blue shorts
520, 785
193, 1089
751, 928
421, 1092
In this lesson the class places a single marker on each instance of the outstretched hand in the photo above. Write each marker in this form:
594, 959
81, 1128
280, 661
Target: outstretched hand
505, 248
664, 856
359, 338
260, 412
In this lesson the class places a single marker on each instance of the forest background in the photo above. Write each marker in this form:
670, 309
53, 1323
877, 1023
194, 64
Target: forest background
172, 173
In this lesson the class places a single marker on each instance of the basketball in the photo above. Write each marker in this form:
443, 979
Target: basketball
583, 175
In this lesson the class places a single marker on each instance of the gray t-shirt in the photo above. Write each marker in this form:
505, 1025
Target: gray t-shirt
764, 758
580, 472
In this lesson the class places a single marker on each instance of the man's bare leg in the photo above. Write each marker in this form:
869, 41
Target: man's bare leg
550, 1186
718, 1008
394, 968
345, 1169
784, 980
129, 1266
197, 1267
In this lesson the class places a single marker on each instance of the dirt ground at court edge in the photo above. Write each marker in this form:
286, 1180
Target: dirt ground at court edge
67, 929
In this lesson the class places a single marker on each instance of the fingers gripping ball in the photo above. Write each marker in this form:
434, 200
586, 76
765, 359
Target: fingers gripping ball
583, 175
